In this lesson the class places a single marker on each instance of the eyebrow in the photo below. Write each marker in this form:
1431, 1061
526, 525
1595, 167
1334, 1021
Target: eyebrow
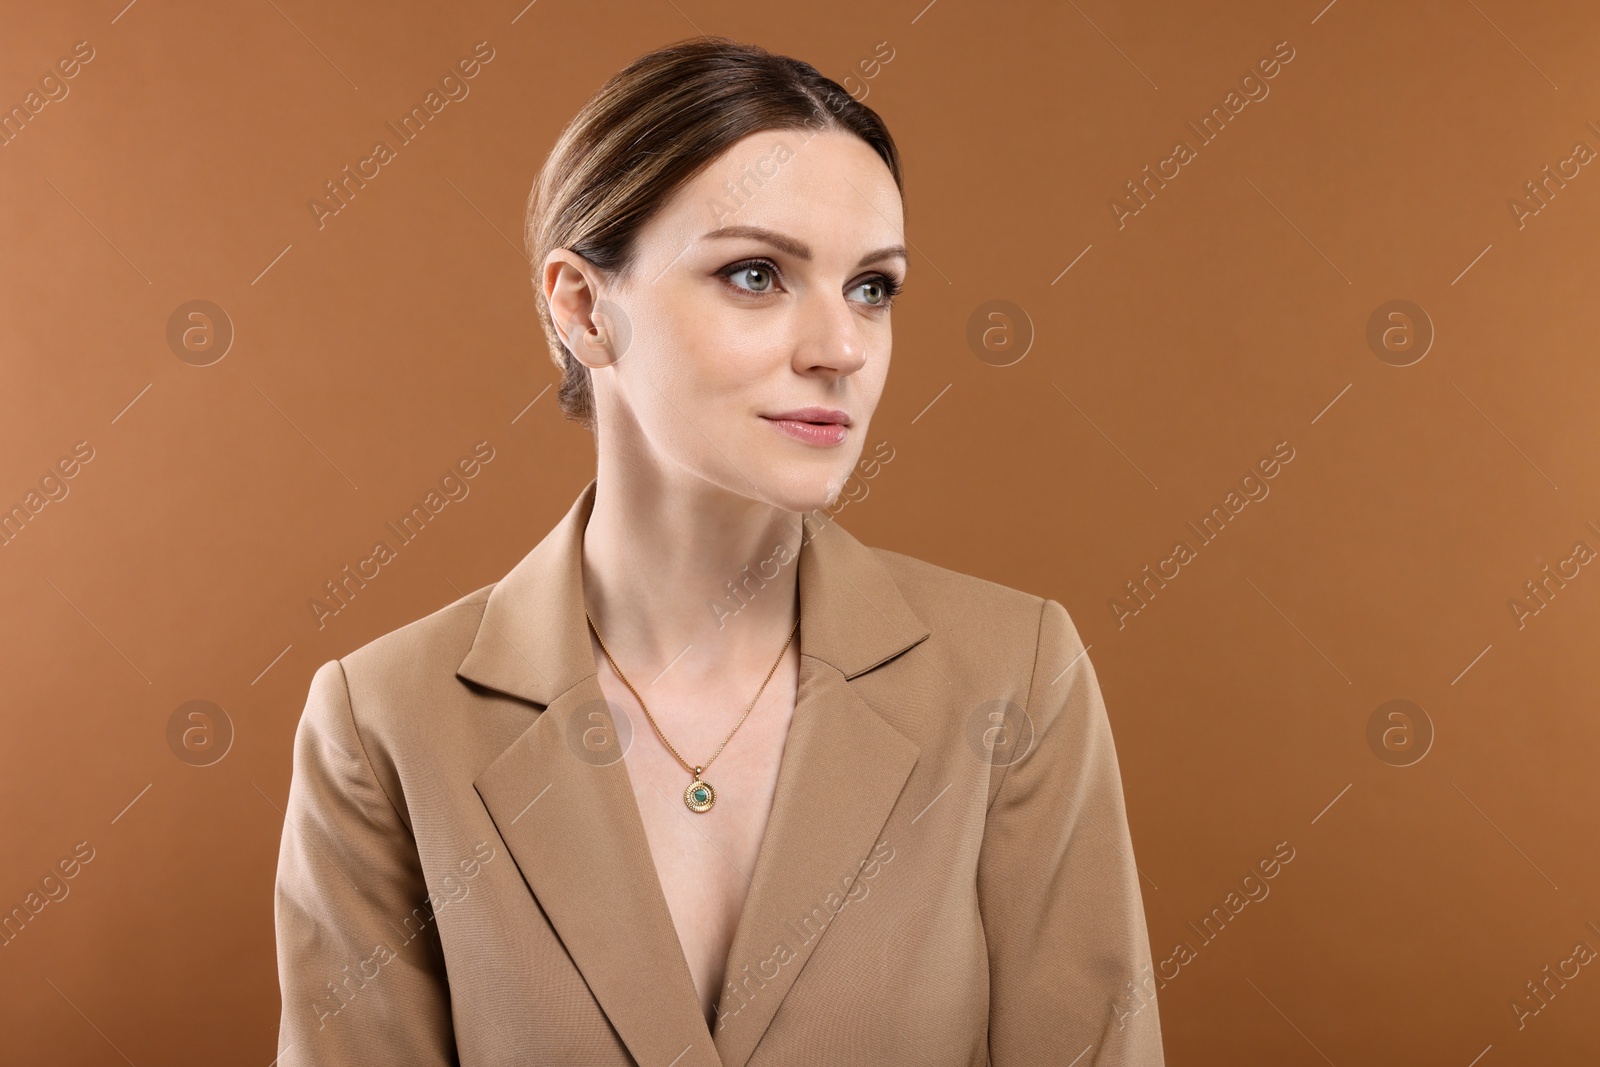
798, 249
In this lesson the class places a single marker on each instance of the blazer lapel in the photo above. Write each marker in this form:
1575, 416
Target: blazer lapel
573, 828
562, 800
843, 769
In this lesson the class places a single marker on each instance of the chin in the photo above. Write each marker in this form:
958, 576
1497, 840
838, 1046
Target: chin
804, 488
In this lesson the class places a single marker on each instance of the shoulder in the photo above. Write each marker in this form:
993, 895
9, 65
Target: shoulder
421, 655
955, 598
396, 704
997, 662
399, 690
980, 627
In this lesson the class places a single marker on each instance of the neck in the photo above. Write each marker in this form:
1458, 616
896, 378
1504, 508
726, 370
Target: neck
684, 577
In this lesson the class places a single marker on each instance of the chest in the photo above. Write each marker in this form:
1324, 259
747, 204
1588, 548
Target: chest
705, 860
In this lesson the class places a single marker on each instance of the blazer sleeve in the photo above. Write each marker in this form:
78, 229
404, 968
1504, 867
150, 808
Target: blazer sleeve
360, 965
1070, 975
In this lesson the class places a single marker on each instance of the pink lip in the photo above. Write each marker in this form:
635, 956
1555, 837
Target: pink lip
813, 426
813, 415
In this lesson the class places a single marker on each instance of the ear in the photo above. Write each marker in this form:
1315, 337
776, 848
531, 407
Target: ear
571, 288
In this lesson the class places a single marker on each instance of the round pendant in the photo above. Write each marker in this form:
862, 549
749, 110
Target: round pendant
699, 796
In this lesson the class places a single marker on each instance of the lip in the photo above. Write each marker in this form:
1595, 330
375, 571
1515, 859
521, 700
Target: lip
812, 415
818, 427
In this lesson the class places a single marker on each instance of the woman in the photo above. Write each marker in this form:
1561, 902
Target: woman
703, 779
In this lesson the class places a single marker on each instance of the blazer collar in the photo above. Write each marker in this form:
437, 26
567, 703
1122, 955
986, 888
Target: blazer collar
533, 641
561, 797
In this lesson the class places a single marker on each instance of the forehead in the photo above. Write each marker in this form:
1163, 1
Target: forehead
830, 190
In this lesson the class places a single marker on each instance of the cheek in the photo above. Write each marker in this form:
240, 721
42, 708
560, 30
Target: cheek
875, 375
691, 369
727, 353
687, 334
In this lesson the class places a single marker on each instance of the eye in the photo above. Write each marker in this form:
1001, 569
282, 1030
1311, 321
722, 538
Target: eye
760, 276
751, 271
884, 289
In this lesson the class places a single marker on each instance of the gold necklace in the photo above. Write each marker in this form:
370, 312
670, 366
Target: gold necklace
699, 795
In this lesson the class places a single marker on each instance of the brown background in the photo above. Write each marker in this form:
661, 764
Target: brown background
1230, 314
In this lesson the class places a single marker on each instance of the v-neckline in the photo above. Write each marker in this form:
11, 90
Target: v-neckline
571, 822
722, 798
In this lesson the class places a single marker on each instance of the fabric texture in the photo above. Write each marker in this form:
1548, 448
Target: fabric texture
947, 876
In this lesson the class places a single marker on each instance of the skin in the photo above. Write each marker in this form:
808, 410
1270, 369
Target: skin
693, 485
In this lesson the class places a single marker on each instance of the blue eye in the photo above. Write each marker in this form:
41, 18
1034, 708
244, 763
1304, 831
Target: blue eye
887, 289
745, 277
747, 268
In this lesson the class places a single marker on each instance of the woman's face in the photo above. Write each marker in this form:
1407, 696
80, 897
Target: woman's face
761, 289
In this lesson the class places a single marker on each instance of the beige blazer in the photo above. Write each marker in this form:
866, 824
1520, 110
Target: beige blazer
946, 877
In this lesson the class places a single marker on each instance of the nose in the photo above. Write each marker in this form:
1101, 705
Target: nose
831, 339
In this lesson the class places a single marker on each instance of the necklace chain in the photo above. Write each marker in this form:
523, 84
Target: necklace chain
697, 771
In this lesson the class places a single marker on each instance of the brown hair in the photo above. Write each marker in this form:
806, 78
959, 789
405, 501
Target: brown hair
649, 130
